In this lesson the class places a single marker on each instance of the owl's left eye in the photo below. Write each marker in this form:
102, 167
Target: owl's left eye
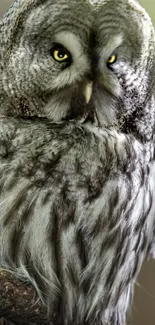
60, 54
112, 59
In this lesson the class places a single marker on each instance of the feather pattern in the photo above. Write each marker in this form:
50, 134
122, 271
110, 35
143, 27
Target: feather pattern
77, 186
79, 237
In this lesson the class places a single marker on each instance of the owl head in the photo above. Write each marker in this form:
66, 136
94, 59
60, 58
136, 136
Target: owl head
124, 66
56, 54
45, 57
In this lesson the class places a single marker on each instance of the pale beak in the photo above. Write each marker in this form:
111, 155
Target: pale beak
88, 89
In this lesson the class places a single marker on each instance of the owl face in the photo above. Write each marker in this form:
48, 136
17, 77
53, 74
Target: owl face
47, 63
56, 48
125, 51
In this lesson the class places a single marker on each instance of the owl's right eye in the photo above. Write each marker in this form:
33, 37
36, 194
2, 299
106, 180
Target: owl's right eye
60, 54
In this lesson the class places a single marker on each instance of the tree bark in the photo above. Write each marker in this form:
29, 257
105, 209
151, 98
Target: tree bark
18, 303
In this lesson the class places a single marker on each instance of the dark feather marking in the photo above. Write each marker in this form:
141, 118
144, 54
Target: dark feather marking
117, 261
136, 265
66, 205
123, 285
124, 255
114, 199
54, 236
82, 247
19, 231
46, 198
144, 242
129, 211
99, 226
142, 220
95, 186
72, 274
142, 177
136, 248
19, 200
78, 166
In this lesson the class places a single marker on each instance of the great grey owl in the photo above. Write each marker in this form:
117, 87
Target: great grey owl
77, 207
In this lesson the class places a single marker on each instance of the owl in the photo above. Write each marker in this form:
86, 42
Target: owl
77, 184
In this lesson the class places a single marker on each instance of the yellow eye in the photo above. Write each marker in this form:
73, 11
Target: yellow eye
60, 55
112, 59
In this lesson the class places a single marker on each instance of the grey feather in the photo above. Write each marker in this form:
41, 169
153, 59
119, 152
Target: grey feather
77, 200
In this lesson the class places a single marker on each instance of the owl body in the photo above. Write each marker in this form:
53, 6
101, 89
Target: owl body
77, 186
79, 236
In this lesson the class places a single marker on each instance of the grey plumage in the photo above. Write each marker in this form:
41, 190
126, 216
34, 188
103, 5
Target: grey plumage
31, 82
75, 229
77, 199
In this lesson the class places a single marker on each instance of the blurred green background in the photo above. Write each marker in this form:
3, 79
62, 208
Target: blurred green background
149, 5
143, 311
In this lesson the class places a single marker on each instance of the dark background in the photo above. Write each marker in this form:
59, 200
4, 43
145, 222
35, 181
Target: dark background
143, 310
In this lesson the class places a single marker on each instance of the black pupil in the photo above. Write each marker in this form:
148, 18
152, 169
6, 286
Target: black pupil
61, 54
